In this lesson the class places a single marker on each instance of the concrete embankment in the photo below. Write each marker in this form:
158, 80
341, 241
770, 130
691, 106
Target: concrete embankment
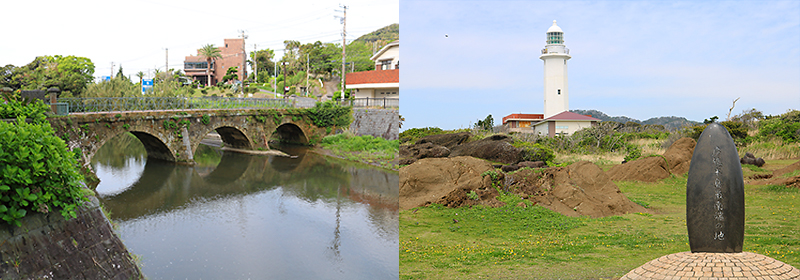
376, 122
47, 246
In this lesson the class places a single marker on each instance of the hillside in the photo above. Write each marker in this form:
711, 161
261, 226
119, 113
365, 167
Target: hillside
360, 50
670, 123
386, 34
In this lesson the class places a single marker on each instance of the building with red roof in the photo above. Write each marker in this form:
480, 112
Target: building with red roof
564, 123
521, 122
384, 81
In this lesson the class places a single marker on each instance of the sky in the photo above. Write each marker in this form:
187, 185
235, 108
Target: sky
464, 60
139, 35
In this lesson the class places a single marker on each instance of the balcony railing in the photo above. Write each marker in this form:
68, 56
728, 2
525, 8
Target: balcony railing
385, 103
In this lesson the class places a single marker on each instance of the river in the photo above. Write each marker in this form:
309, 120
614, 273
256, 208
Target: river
237, 216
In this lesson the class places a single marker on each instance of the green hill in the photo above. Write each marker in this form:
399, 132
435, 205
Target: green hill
670, 123
387, 34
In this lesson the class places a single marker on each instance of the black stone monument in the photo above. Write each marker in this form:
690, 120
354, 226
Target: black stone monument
715, 194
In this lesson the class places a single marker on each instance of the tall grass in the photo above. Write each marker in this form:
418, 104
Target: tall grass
774, 148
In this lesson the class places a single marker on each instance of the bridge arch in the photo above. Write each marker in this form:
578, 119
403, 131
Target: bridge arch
291, 133
155, 147
234, 137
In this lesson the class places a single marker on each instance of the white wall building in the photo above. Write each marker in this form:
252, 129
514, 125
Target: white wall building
555, 55
384, 81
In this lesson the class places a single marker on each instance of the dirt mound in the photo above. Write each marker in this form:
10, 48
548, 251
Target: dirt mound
679, 155
789, 169
777, 177
579, 189
583, 189
495, 148
676, 160
431, 179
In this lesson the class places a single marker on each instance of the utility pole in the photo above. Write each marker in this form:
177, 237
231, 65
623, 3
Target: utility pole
244, 59
166, 62
255, 62
344, 44
112, 70
307, 73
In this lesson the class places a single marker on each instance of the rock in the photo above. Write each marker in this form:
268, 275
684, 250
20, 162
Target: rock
450, 140
431, 179
495, 148
715, 194
411, 153
532, 164
509, 168
751, 159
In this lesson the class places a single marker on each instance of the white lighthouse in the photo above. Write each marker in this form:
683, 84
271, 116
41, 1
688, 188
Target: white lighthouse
555, 55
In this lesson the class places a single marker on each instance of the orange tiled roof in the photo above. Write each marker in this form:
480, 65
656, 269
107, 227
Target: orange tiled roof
373, 77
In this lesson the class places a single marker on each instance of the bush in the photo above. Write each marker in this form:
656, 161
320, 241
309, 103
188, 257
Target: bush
413, 134
327, 114
15, 106
534, 151
786, 127
38, 172
634, 152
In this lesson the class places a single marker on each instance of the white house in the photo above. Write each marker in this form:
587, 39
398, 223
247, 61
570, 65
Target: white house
565, 123
384, 81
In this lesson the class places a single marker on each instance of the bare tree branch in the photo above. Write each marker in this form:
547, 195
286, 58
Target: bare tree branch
731, 110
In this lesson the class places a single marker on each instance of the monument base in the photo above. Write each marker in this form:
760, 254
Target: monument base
688, 265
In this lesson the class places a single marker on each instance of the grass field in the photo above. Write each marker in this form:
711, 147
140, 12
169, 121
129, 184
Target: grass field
514, 242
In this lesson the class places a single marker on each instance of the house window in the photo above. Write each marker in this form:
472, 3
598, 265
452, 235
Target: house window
386, 64
559, 91
397, 66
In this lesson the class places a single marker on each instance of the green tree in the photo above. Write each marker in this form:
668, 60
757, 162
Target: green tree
211, 53
71, 74
263, 62
485, 124
120, 75
140, 75
231, 74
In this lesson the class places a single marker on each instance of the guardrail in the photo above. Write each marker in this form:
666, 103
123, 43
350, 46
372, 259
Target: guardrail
385, 103
110, 104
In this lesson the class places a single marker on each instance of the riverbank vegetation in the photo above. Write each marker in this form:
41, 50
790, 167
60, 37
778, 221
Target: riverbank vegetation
37, 171
367, 149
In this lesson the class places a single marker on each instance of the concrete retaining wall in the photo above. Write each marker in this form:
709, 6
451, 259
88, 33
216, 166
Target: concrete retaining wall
376, 122
49, 247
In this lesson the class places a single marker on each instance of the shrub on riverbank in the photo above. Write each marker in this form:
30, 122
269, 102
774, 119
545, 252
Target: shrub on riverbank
37, 172
363, 148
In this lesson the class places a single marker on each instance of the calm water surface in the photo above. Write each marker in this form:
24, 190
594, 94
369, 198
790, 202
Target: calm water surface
235, 216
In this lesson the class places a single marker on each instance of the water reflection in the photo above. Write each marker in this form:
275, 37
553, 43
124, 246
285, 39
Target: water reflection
235, 216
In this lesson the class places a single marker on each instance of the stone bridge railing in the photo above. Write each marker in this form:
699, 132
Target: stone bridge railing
173, 135
112, 104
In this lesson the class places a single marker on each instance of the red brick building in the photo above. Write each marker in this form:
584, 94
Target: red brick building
233, 55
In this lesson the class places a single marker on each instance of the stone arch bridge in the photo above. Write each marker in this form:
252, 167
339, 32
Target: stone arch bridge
173, 135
